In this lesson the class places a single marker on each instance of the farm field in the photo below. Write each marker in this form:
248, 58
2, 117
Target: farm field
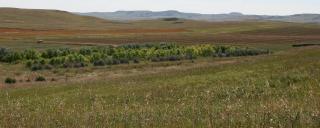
156, 73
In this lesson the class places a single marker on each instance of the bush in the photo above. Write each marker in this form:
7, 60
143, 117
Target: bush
53, 79
171, 19
10, 80
40, 78
67, 65
42, 62
101, 56
28, 80
31, 54
116, 61
12, 57
85, 51
124, 61
29, 64
99, 63
3, 53
174, 58
155, 59
47, 67
36, 67
79, 65
136, 61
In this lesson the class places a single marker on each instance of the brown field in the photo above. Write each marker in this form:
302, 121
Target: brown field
36, 32
163, 31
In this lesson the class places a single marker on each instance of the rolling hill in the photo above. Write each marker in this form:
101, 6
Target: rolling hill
149, 15
49, 19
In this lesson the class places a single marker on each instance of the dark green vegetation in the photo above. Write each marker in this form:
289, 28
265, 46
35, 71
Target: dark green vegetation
304, 45
10, 80
101, 56
270, 90
40, 78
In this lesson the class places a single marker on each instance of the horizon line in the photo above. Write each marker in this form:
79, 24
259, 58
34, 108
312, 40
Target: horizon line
120, 10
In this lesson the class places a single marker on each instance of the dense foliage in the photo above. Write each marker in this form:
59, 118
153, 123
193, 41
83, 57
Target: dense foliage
108, 55
10, 80
40, 78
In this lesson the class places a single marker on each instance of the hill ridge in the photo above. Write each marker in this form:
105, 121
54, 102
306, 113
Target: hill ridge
233, 16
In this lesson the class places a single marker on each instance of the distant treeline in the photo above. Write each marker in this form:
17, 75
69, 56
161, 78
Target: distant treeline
109, 55
304, 45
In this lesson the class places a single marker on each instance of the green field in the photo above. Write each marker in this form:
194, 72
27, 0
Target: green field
280, 89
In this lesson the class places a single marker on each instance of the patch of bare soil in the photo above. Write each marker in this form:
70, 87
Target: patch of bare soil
129, 70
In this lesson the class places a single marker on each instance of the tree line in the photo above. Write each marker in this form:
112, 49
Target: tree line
124, 54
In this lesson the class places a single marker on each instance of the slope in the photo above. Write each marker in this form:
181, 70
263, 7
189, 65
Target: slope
49, 19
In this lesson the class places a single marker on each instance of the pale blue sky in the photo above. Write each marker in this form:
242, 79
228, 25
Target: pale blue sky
271, 7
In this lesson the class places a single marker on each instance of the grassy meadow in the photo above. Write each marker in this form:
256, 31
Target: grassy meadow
281, 89
269, 91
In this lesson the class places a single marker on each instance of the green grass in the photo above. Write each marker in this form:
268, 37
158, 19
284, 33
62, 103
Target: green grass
279, 90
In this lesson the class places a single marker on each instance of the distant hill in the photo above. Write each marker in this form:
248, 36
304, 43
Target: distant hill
299, 18
54, 19
149, 15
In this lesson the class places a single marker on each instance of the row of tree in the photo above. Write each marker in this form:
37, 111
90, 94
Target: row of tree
108, 55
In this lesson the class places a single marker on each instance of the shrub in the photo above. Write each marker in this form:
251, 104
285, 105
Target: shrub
173, 58
136, 60
124, 61
109, 61
3, 53
28, 80
40, 78
36, 67
155, 59
170, 19
29, 63
79, 65
116, 61
57, 61
99, 63
101, 56
12, 57
48, 67
10, 80
85, 51
42, 62
31, 54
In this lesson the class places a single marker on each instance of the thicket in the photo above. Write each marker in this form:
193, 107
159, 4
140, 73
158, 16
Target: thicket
40, 78
10, 80
109, 55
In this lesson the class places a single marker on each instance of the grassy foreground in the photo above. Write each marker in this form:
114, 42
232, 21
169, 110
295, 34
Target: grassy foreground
278, 90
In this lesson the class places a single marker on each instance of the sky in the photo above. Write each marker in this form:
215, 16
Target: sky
261, 7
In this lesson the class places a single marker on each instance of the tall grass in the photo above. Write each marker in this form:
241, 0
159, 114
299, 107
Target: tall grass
280, 90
